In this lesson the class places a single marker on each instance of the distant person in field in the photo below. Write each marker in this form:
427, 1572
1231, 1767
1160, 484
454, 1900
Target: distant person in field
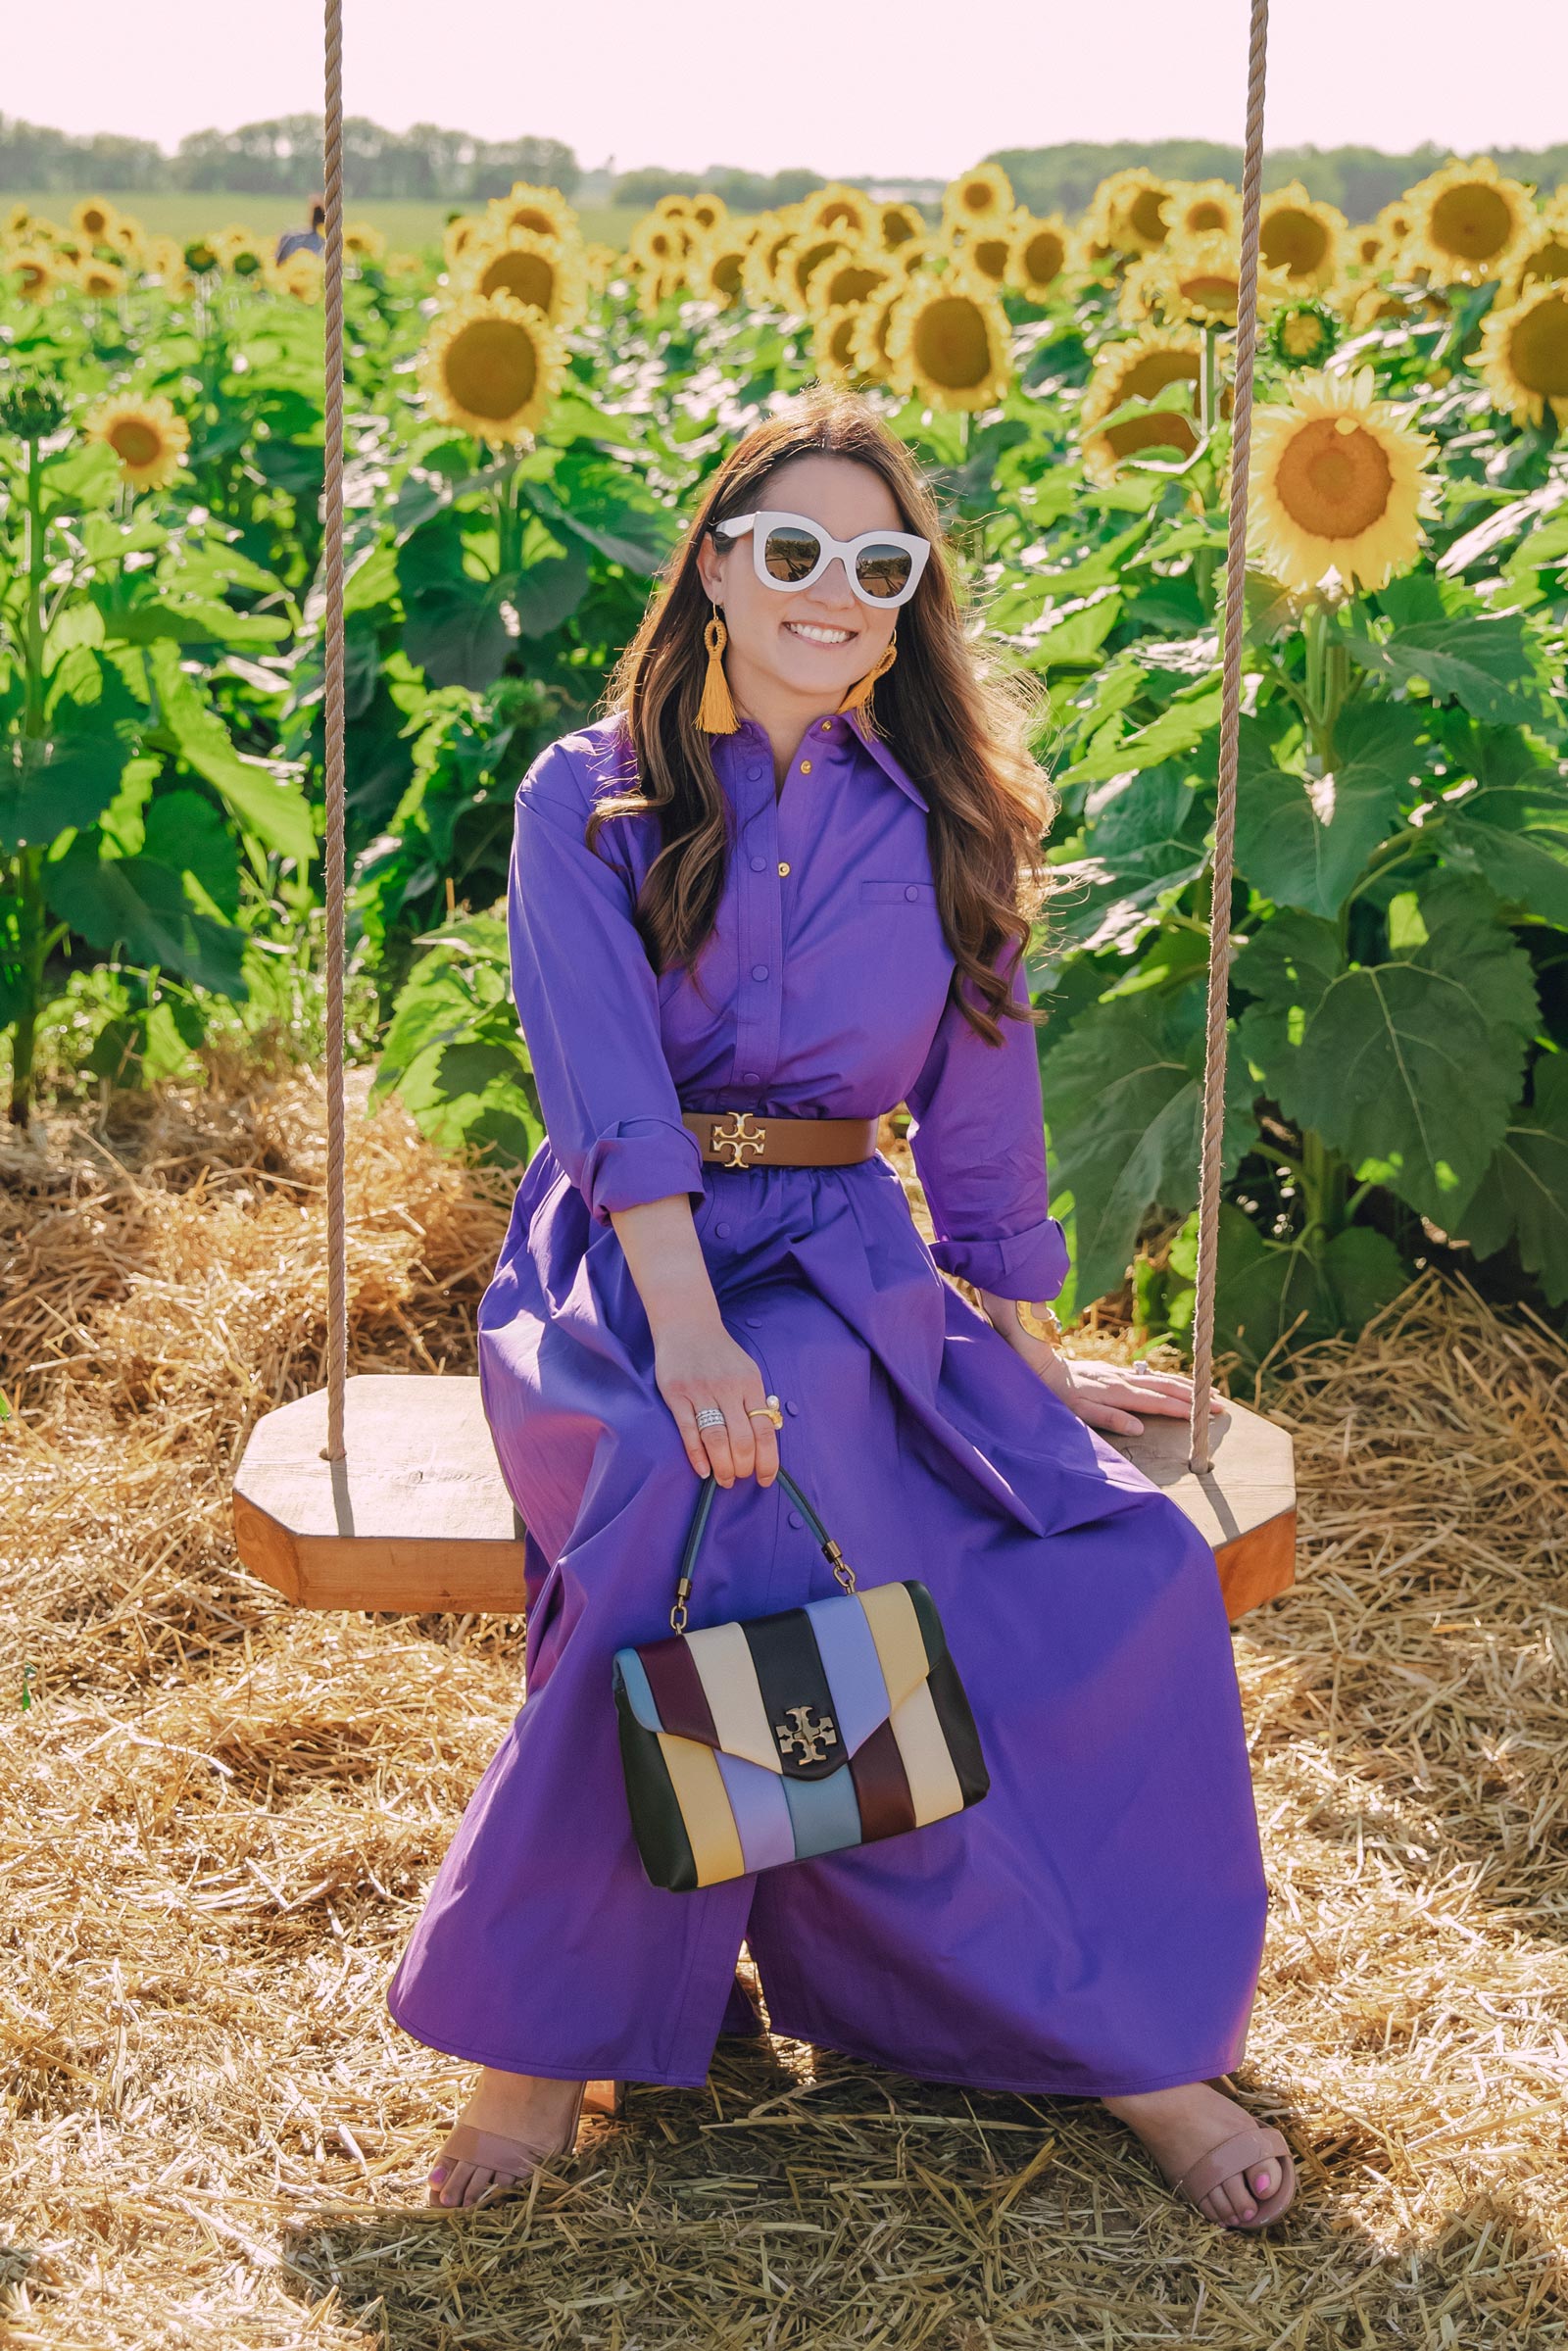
304, 240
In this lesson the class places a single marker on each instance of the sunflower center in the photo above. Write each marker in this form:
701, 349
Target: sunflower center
1163, 428
134, 441
950, 345
530, 276
1302, 334
991, 258
531, 218
1147, 215
1155, 371
1293, 241
977, 197
1044, 256
1474, 221
1206, 215
1334, 484
1546, 263
1538, 346
726, 272
1210, 293
491, 368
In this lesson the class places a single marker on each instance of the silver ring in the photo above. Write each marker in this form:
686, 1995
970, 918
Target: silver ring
708, 1416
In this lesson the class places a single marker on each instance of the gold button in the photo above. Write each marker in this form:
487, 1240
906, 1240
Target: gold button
806, 767
827, 727
784, 866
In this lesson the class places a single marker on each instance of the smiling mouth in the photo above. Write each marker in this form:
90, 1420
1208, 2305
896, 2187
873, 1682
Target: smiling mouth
813, 635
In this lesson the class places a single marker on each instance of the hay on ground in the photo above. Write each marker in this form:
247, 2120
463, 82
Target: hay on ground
217, 1819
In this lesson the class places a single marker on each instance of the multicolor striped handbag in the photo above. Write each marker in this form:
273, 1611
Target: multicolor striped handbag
753, 1744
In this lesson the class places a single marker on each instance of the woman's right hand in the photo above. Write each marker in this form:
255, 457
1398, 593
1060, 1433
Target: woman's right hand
696, 1362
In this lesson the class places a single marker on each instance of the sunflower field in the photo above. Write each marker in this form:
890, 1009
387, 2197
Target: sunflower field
529, 416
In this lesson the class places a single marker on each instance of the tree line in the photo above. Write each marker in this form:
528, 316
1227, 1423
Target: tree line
283, 157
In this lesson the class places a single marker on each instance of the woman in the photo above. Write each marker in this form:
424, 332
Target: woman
742, 890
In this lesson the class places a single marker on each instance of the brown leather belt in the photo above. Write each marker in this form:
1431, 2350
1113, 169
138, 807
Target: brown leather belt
741, 1139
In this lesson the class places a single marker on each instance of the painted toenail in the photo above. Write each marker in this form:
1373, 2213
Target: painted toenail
1264, 2183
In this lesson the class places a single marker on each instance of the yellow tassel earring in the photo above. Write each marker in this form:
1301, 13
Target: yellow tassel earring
858, 697
716, 714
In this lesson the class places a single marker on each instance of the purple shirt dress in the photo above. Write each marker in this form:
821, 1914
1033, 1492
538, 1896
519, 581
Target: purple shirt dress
1094, 1924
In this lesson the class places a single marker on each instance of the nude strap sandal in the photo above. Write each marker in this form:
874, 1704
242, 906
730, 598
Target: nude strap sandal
1228, 2161
494, 2151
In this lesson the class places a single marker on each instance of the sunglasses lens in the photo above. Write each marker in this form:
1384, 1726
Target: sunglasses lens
792, 552
883, 570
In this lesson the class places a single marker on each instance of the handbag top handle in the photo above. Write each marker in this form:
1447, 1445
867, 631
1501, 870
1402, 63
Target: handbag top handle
705, 1503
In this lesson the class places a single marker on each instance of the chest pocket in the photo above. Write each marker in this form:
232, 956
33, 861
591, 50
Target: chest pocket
897, 894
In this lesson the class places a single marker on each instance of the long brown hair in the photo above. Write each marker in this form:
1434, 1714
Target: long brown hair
960, 726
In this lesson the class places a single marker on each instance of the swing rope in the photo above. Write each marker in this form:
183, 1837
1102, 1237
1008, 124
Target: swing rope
337, 1286
1224, 860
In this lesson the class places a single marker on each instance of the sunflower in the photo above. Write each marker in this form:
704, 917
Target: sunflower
1377, 306
462, 231
855, 278
602, 263
1542, 258
895, 224
1137, 370
145, 434
719, 269
838, 209
985, 254
833, 343
659, 244
1039, 255
1204, 207
1524, 360
242, 254
301, 274
1130, 212
1141, 367
1196, 280
1467, 223
363, 243
95, 218
1304, 335
869, 338
1339, 486
540, 271
948, 340
201, 256
543, 212
492, 366
17, 223
1368, 247
981, 199
37, 274
801, 263
673, 208
1302, 237
103, 280
127, 236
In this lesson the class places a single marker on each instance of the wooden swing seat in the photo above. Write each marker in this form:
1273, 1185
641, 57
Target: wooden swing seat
417, 1518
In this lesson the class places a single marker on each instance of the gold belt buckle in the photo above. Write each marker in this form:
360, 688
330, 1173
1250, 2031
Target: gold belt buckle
738, 1138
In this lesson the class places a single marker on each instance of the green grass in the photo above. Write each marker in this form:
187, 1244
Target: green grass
405, 226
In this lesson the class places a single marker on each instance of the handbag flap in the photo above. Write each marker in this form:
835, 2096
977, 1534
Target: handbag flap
797, 1693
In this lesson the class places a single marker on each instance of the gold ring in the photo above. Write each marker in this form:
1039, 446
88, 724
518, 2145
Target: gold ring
771, 1410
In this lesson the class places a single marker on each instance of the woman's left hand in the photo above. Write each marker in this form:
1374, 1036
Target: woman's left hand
1105, 1395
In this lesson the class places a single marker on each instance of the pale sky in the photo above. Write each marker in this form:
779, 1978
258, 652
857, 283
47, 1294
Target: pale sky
858, 87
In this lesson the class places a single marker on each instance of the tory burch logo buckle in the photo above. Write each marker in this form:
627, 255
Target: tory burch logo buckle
738, 1136
806, 1734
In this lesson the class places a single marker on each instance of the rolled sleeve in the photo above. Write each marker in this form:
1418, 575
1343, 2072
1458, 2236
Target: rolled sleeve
588, 1000
979, 1147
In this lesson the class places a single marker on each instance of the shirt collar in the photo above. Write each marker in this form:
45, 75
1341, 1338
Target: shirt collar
841, 723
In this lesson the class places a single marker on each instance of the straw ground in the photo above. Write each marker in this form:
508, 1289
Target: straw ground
217, 1819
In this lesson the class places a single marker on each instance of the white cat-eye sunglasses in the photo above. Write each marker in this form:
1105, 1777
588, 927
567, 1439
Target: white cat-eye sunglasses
791, 550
